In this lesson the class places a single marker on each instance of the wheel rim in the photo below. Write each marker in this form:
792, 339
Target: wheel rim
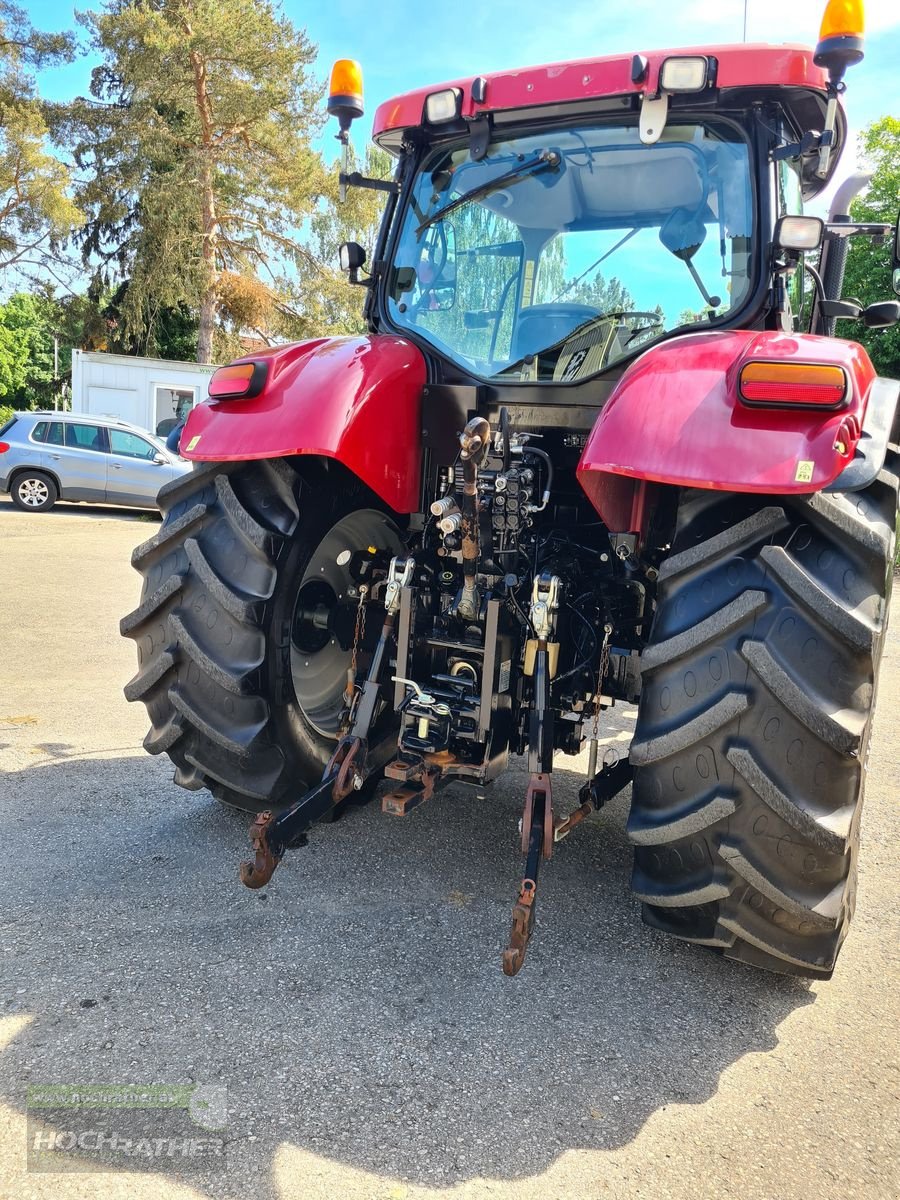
33, 492
324, 616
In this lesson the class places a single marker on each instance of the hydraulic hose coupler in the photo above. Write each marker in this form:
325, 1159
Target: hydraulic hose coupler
449, 518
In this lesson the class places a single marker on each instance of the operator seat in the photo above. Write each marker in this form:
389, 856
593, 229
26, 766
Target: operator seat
544, 325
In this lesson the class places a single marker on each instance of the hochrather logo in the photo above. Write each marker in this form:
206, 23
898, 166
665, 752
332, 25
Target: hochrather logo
105, 1127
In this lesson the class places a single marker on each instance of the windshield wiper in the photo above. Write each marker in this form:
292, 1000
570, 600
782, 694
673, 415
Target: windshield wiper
543, 160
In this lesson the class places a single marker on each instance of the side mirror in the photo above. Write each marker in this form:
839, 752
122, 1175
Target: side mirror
682, 233
352, 258
160, 460
798, 233
882, 315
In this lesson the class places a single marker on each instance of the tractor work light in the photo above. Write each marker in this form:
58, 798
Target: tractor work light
240, 381
441, 107
786, 385
688, 74
799, 233
345, 92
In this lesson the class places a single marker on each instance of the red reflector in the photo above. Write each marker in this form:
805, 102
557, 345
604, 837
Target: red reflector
793, 383
4, 446
793, 393
240, 379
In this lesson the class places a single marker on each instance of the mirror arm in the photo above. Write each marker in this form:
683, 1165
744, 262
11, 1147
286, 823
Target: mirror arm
840, 310
355, 179
712, 301
848, 229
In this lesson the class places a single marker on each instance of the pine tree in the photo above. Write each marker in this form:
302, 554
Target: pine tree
196, 142
35, 208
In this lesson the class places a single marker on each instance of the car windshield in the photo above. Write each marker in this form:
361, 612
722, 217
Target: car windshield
561, 252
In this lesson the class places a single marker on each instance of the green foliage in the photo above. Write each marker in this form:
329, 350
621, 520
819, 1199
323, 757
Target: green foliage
26, 350
35, 208
6, 414
868, 274
196, 151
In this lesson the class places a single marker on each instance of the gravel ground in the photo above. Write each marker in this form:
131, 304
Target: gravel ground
355, 1009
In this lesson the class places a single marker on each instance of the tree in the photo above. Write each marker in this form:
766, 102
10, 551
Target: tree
26, 350
868, 273
326, 302
36, 210
197, 145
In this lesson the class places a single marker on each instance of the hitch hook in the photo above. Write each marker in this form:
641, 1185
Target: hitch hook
257, 872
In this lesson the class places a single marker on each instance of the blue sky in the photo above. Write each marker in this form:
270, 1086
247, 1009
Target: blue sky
403, 44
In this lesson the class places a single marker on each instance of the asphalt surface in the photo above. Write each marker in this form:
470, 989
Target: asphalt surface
355, 1010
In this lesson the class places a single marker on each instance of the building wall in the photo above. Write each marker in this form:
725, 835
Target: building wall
136, 389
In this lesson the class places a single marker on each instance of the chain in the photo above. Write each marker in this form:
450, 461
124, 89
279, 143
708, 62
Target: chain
601, 675
358, 634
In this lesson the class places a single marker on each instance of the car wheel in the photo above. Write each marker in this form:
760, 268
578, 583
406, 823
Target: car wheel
34, 491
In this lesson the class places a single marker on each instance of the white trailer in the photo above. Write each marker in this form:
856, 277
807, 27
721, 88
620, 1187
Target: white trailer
153, 393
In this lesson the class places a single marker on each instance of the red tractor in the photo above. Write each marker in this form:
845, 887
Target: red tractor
535, 488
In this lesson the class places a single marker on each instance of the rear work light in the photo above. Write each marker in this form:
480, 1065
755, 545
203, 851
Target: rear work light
240, 381
789, 385
689, 74
442, 106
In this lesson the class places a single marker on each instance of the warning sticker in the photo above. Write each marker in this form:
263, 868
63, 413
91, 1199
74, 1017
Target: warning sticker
503, 676
804, 472
194, 440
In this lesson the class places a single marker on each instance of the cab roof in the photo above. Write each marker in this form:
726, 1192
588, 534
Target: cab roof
752, 67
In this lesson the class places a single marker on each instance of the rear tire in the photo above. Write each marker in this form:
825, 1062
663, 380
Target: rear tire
759, 682
34, 491
219, 667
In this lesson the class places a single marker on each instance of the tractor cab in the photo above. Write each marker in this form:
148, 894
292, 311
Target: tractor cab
550, 225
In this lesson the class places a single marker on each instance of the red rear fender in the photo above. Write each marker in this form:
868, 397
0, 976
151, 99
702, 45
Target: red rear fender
356, 400
675, 417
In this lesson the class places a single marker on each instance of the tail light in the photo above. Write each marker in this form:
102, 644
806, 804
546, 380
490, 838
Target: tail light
240, 381
4, 446
789, 385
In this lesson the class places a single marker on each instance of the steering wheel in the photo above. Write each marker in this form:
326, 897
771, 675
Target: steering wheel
607, 340
651, 318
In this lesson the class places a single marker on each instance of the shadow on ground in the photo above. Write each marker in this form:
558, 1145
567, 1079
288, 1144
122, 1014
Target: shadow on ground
64, 509
356, 1007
